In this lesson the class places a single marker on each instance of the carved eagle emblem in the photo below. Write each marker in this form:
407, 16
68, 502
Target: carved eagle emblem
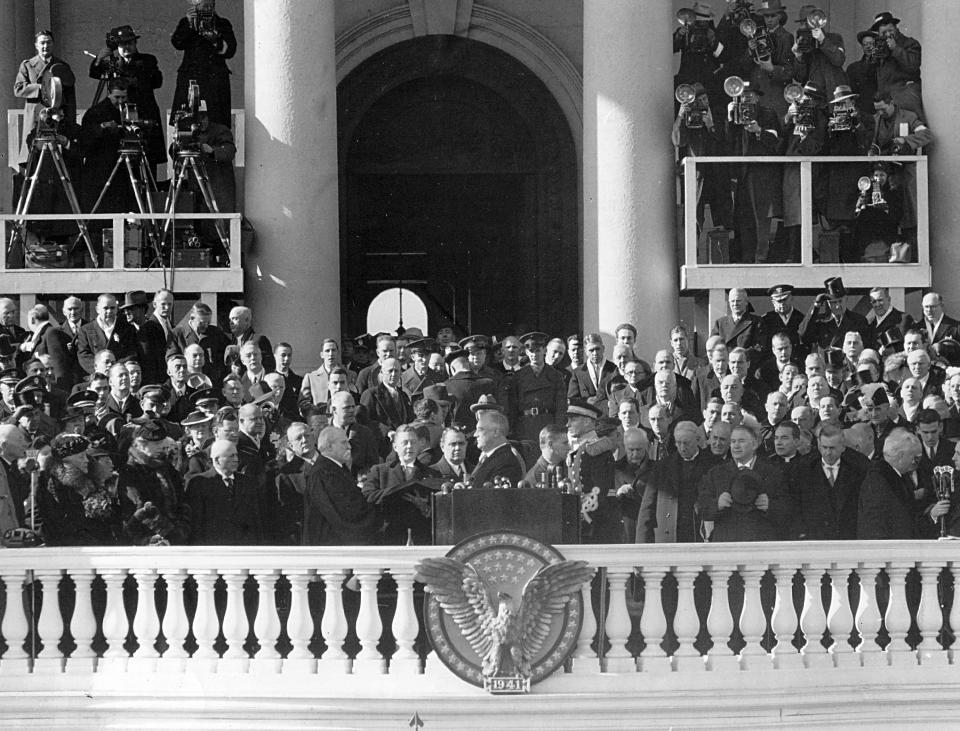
506, 632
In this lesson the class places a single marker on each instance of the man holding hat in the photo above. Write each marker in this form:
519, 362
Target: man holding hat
121, 58
898, 63
829, 320
538, 394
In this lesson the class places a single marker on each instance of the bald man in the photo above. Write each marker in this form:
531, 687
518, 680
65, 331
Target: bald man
107, 332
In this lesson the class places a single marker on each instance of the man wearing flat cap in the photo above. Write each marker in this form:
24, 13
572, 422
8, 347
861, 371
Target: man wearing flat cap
122, 59
829, 320
898, 63
538, 393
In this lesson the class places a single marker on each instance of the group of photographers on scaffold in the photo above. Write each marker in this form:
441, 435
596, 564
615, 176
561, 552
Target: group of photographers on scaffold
109, 162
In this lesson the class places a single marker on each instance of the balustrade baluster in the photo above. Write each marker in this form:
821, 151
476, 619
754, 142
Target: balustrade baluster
299, 625
783, 621
115, 623
266, 626
619, 659
813, 620
14, 626
405, 660
954, 618
50, 624
175, 623
146, 624
686, 623
369, 627
840, 618
653, 623
753, 624
205, 623
585, 659
868, 617
897, 618
720, 620
235, 626
83, 624
333, 626
930, 616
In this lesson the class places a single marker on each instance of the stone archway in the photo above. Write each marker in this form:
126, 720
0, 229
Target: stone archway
458, 176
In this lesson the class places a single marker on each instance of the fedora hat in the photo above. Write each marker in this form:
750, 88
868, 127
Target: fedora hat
842, 93
884, 18
769, 7
136, 298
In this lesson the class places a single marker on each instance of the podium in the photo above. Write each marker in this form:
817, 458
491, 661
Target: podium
550, 516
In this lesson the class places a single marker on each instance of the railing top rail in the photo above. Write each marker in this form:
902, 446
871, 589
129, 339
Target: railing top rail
806, 158
111, 216
316, 558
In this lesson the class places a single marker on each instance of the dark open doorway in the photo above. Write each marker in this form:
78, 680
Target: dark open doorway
458, 180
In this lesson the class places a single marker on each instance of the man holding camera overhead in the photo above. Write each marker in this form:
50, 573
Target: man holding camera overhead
121, 59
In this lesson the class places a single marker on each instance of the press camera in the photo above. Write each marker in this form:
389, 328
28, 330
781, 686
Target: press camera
744, 109
694, 117
697, 31
804, 110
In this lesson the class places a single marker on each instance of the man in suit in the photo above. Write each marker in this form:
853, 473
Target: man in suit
289, 404
551, 465
386, 403
241, 331
686, 363
783, 318
937, 324
740, 328
418, 376
829, 320
335, 512
386, 350
258, 460
884, 317
224, 510
107, 332
315, 387
72, 322
664, 361
364, 445
929, 380
402, 491
198, 330
453, 465
889, 505
45, 339
769, 371
745, 498
510, 350
591, 381
465, 388
632, 391
14, 484
478, 353
708, 378
668, 505
120, 401
497, 457
291, 481
827, 490
936, 451
155, 335
9, 327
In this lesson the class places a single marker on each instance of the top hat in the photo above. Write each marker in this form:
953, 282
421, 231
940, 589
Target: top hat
884, 18
745, 488
892, 338
834, 358
841, 93
136, 298
873, 394
834, 287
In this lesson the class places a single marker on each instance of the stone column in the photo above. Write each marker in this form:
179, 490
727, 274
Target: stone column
941, 104
290, 96
629, 240
16, 44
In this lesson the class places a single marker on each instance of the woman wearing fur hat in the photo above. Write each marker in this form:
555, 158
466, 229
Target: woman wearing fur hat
75, 509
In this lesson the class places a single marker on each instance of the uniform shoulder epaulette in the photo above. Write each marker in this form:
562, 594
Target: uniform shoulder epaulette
601, 445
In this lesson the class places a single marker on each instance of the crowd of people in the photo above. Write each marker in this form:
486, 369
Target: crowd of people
123, 123
747, 86
133, 430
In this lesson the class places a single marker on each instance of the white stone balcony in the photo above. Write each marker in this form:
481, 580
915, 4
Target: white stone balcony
280, 642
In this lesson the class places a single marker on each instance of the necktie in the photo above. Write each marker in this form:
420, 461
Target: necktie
228, 481
832, 475
408, 471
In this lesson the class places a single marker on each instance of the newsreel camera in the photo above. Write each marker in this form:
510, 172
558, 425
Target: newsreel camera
698, 37
696, 113
803, 108
744, 109
186, 121
758, 40
133, 130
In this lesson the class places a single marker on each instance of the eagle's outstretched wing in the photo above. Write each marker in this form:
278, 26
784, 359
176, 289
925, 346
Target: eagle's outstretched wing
545, 594
463, 595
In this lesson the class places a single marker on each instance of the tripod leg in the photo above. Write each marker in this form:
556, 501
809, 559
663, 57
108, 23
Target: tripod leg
106, 186
31, 176
135, 184
33, 179
178, 180
146, 179
203, 181
74, 204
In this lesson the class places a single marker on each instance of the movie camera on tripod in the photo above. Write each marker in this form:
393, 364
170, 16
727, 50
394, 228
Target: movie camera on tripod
744, 109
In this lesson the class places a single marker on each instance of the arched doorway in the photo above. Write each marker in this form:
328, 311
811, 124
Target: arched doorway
458, 178
395, 307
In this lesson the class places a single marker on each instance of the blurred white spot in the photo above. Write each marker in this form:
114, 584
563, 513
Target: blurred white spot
277, 280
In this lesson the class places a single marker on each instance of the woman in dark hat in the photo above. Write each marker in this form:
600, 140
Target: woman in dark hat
75, 509
879, 209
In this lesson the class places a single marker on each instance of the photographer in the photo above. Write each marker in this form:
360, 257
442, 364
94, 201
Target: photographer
30, 77
818, 56
898, 131
898, 64
217, 148
100, 134
696, 133
770, 75
207, 41
121, 59
696, 42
